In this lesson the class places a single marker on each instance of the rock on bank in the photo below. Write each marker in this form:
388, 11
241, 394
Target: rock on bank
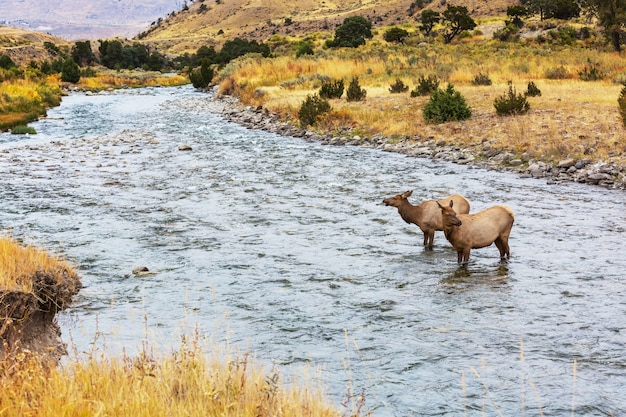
480, 155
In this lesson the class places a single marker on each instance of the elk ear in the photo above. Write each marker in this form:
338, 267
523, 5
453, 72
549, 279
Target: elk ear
407, 194
439, 204
451, 203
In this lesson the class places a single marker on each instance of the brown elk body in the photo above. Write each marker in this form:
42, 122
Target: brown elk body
473, 231
426, 215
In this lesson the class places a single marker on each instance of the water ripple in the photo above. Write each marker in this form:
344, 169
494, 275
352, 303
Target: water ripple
285, 248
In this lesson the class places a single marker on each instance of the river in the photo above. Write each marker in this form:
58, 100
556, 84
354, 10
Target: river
283, 248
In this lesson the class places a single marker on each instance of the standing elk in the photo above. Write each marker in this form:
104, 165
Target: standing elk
473, 231
426, 215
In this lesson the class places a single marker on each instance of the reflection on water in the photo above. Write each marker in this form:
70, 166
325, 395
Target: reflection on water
283, 247
465, 275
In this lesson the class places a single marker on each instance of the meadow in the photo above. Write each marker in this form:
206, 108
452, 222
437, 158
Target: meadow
576, 115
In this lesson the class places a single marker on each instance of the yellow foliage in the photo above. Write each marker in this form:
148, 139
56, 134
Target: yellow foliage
572, 117
188, 382
19, 263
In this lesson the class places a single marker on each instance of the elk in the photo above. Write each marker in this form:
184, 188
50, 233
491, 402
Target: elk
473, 231
425, 215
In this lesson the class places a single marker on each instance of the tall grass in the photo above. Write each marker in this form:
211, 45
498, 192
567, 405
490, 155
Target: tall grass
187, 382
572, 117
20, 263
105, 79
24, 100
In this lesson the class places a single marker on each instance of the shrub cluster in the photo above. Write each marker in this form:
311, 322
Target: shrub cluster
557, 73
532, 90
398, 87
621, 102
355, 92
591, 72
202, 77
425, 86
331, 89
311, 109
511, 103
446, 105
481, 79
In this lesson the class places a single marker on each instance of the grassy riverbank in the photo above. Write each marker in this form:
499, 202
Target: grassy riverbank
26, 99
574, 117
188, 382
34, 285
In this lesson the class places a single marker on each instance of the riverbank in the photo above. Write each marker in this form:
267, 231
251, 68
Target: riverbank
480, 154
34, 287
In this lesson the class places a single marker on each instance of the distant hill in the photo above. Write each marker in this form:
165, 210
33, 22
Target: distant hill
24, 46
86, 19
178, 26
211, 22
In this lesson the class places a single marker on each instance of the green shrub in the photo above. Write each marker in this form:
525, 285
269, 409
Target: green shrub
398, 87
508, 33
355, 92
621, 102
23, 130
88, 72
395, 35
6, 62
311, 108
70, 72
332, 89
481, 79
532, 90
446, 105
202, 77
558, 73
304, 48
425, 86
511, 103
591, 72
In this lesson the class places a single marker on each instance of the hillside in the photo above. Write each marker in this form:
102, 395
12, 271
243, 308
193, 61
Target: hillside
80, 19
23, 45
211, 22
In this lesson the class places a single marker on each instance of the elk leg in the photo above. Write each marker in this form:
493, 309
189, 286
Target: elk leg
503, 247
500, 247
429, 238
463, 256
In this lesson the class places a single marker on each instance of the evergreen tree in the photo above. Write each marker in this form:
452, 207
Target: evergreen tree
612, 17
82, 53
70, 72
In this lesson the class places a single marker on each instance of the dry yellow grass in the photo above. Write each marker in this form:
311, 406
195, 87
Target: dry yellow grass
189, 382
572, 118
20, 263
132, 79
187, 30
24, 100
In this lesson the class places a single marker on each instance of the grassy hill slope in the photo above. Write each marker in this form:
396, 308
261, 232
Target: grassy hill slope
24, 46
207, 22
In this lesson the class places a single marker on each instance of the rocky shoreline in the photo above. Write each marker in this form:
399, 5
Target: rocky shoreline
482, 155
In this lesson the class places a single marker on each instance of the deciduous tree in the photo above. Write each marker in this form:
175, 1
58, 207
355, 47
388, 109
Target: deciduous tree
429, 19
457, 19
352, 33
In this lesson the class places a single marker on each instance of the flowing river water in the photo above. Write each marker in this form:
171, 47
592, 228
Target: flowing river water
283, 248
